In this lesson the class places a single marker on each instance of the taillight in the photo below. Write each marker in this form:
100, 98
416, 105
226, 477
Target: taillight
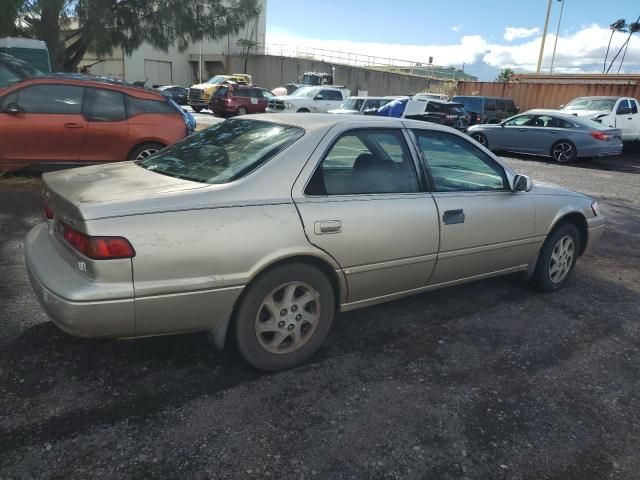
600, 135
98, 248
48, 212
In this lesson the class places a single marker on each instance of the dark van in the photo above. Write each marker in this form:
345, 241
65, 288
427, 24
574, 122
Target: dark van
487, 109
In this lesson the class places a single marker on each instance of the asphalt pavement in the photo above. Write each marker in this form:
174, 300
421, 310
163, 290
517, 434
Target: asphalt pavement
489, 380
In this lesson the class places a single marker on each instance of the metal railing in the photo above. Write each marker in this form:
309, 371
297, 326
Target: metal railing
389, 64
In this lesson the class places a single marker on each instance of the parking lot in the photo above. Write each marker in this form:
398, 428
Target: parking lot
487, 380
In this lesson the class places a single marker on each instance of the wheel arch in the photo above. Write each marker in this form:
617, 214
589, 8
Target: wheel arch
579, 220
150, 141
220, 335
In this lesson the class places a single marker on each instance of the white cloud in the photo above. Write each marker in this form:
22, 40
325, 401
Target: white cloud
513, 33
581, 51
457, 28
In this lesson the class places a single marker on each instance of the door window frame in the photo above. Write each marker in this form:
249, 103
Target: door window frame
88, 102
415, 163
25, 87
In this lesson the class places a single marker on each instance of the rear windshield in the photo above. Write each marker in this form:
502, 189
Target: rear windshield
471, 104
224, 152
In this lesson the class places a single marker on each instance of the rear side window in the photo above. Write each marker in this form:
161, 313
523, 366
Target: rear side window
106, 106
136, 106
60, 99
365, 162
332, 95
490, 105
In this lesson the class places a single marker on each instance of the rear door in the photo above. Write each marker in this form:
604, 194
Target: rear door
107, 126
365, 206
49, 128
484, 227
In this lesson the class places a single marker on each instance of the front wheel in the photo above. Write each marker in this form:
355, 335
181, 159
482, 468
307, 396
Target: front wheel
557, 258
303, 110
284, 316
242, 111
564, 151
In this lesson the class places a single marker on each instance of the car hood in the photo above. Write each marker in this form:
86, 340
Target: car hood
545, 188
206, 86
107, 190
343, 110
585, 113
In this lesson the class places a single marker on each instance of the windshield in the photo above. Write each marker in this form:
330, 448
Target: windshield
353, 104
223, 153
601, 104
306, 92
217, 79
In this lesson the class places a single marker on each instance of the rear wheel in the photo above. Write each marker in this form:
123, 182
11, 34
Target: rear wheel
481, 139
144, 150
284, 317
564, 151
303, 110
557, 258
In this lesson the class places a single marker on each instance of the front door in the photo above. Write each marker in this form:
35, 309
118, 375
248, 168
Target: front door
365, 206
512, 135
484, 227
49, 127
628, 119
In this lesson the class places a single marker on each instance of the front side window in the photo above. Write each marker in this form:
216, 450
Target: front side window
634, 106
457, 166
550, 122
623, 107
518, 121
55, 99
224, 152
490, 105
365, 162
108, 106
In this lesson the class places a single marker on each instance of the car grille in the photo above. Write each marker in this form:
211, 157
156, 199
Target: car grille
276, 104
195, 93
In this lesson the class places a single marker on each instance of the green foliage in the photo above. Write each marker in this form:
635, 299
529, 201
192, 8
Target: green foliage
505, 75
71, 27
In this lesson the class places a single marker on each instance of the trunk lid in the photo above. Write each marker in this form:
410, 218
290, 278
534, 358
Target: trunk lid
108, 190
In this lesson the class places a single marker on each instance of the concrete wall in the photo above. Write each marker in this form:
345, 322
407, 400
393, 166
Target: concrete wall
272, 71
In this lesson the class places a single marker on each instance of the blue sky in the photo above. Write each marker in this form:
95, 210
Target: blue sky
470, 31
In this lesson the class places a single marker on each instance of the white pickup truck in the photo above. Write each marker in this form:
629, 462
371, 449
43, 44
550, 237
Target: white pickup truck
615, 112
309, 99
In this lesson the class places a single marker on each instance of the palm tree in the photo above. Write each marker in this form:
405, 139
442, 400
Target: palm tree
505, 75
617, 26
633, 28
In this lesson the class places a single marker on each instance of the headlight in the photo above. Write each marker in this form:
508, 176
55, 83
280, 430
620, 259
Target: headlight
595, 208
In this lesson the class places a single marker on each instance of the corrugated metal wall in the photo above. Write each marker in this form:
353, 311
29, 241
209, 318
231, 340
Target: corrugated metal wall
545, 95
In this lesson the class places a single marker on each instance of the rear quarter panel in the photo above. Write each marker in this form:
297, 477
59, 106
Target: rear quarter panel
165, 128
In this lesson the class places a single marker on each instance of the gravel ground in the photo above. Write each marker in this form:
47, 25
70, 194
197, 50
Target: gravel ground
484, 381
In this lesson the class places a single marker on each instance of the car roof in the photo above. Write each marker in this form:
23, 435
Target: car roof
599, 97
94, 81
549, 111
314, 121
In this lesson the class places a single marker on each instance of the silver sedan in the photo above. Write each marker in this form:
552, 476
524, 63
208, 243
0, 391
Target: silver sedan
550, 133
260, 229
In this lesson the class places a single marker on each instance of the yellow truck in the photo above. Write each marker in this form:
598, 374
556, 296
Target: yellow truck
200, 94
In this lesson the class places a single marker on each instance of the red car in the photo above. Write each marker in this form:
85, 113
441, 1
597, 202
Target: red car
234, 99
56, 121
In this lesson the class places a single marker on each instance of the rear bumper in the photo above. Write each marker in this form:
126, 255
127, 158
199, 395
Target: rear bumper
604, 150
55, 283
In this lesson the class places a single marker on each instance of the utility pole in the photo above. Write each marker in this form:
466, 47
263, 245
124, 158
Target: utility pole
555, 44
544, 37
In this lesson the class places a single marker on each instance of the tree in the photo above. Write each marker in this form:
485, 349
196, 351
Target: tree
248, 44
72, 27
619, 25
505, 75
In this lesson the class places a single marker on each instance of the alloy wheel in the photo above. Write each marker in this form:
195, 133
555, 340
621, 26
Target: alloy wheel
481, 139
146, 153
561, 259
562, 152
287, 317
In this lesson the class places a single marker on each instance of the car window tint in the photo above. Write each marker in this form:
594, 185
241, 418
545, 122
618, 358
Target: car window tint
489, 105
501, 105
136, 106
108, 106
622, 106
634, 106
222, 92
61, 99
371, 104
332, 95
518, 121
365, 162
510, 107
550, 122
456, 165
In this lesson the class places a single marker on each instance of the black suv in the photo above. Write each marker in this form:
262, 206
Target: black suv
487, 109
451, 114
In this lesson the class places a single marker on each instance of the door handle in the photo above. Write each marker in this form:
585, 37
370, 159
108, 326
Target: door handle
72, 125
453, 217
327, 226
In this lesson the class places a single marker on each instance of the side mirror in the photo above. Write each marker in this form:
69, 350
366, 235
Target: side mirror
561, 106
319, 97
522, 183
13, 108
